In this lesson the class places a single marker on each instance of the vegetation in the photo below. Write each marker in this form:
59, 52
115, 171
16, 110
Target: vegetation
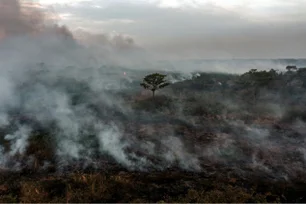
154, 82
123, 187
242, 168
255, 80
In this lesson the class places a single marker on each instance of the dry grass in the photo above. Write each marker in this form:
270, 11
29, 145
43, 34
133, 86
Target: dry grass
163, 187
32, 192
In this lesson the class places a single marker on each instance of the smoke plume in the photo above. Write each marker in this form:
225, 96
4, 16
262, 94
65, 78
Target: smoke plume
66, 101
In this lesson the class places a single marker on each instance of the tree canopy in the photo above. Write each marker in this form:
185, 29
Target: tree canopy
154, 82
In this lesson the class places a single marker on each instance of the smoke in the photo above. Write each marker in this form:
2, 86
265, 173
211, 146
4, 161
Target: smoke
55, 90
113, 48
66, 93
177, 153
18, 140
110, 140
19, 18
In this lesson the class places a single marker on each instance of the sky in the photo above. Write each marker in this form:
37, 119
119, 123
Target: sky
195, 28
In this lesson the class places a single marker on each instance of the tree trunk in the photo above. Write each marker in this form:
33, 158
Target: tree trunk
153, 93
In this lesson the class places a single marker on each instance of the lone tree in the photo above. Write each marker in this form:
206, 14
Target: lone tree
154, 82
291, 68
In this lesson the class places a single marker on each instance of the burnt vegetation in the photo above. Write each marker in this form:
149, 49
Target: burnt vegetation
212, 138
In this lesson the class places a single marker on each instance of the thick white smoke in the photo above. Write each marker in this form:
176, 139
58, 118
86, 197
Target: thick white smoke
66, 89
52, 81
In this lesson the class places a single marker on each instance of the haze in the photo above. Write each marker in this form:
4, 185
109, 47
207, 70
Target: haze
195, 28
